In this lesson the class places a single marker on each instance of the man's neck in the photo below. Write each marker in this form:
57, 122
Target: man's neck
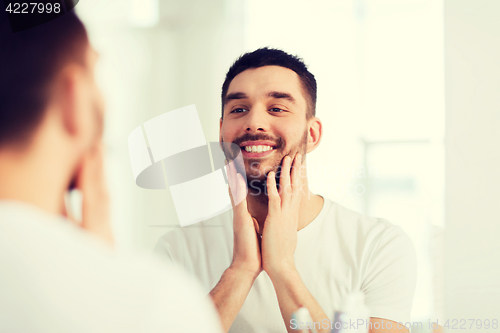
310, 206
28, 178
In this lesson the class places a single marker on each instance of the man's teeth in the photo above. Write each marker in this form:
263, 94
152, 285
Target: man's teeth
257, 149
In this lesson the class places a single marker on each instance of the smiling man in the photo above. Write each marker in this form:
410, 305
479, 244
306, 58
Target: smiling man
285, 247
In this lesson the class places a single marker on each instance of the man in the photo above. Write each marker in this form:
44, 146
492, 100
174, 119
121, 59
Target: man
282, 250
54, 275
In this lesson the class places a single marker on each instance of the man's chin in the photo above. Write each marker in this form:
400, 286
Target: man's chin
260, 170
257, 186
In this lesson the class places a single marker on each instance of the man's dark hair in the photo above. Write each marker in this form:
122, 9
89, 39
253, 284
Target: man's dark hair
29, 61
274, 57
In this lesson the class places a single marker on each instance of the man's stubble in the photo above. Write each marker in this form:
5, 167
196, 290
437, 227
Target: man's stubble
257, 178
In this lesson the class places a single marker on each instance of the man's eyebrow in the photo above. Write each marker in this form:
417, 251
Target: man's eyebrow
233, 96
277, 94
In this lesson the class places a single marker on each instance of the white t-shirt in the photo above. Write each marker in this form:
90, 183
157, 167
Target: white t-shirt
56, 278
340, 251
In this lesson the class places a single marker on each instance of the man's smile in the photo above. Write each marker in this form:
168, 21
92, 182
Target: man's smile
257, 149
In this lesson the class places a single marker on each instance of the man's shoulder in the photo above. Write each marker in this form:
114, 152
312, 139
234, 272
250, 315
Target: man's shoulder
351, 222
350, 217
30, 235
81, 273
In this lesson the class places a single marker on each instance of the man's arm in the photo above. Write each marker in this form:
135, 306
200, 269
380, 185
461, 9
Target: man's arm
279, 240
293, 294
232, 289
230, 294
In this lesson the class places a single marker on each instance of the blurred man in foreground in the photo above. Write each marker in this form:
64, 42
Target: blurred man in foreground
54, 275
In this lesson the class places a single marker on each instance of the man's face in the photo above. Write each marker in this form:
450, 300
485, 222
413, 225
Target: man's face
265, 114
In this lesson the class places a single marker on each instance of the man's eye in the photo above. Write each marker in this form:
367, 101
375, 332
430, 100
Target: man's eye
238, 110
276, 110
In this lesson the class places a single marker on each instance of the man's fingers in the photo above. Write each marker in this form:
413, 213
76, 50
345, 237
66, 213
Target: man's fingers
297, 189
241, 191
232, 183
273, 195
296, 169
285, 184
91, 182
237, 187
91, 169
237, 190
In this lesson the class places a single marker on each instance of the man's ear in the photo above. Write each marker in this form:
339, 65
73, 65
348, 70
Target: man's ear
315, 131
68, 99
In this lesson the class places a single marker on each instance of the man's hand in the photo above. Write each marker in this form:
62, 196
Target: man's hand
279, 237
95, 206
279, 240
232, 289
246, 250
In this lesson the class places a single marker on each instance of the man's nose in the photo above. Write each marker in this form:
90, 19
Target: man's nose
256, 120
